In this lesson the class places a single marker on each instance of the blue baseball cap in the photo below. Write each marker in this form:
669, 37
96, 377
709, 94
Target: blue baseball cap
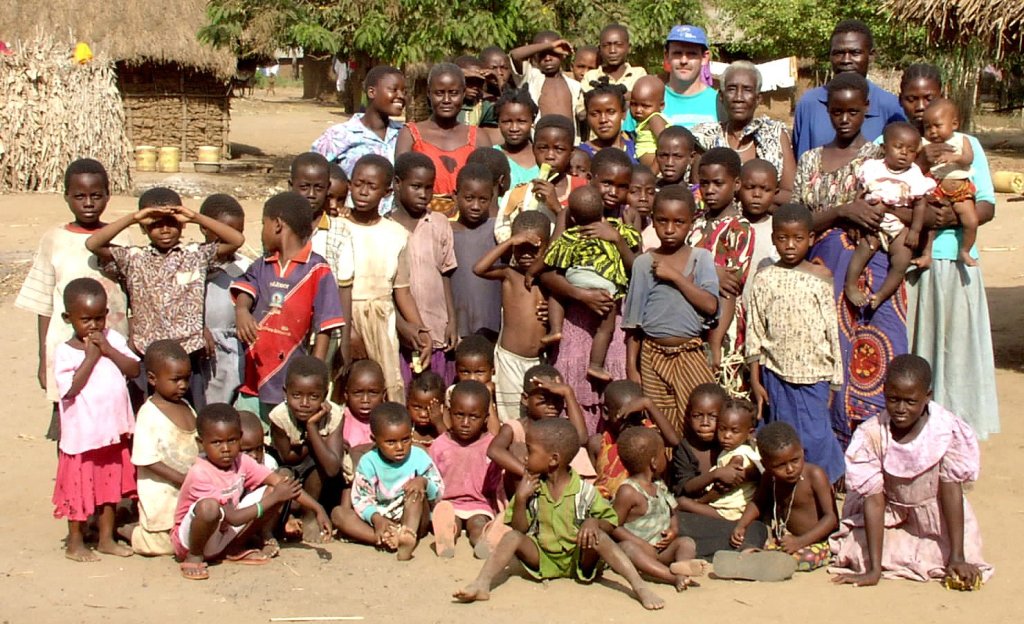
685, 33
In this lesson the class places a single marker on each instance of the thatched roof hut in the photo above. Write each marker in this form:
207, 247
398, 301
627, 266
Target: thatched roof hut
176, 89
996, 24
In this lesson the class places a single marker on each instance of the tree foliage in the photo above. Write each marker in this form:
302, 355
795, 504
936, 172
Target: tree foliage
777, 28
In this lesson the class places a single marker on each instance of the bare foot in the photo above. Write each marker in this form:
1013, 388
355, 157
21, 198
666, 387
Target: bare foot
650, 600
81, 553
855, 296
924, 262
598, 373
472, 593
550, 339
443, 521
271, 548
684, 582
311, 531
113, 548
965, 257
125, 531
693, 567
406, 543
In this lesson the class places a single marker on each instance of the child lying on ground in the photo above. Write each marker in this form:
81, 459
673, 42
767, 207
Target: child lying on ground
649, 533
547, 542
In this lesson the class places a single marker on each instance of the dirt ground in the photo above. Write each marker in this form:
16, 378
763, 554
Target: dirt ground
38, 585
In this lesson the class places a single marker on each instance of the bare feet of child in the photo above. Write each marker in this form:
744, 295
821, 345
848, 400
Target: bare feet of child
598, 373
271, 548
312, 532
855, 296
965, 257
685, 570
551, 339
650, 600
80, 553
406, 543
472, 593
443, 522
111, 547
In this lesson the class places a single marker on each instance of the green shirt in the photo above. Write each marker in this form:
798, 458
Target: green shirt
556, 519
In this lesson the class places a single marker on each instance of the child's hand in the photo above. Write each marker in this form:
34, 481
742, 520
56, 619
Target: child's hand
528, 486
525, 238
92, 348
314, 420
668, 536
912, 239
716, 358
665, 273
183, 215
246, 326
148, 216
209, 346
436, 413
729, 284
760, 398
729, 475
738, 535
967, 573
451, 336
590, 534
636, 406
326, 528
601, 230
790, 544
415, 489
285, 490
561, 47
556, 388
97, 338
546, 194
542, 310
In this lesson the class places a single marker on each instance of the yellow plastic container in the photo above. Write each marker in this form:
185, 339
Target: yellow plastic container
145, 158
169, 159
1008, 182
208, 154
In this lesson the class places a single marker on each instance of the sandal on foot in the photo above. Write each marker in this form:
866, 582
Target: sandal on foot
250, 556
194, 570
754, 566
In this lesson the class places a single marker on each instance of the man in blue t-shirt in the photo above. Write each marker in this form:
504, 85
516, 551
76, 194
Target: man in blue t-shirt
852, 47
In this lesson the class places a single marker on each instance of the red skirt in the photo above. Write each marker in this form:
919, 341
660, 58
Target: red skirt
87, 480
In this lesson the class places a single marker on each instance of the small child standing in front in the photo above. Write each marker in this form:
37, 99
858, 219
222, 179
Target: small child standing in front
306, 431
395, 486
431, 263
166, 280
471, 479
673, 296
799, 494
759, 184
543, 538
224, 365
521, 341
952, 169
228, 499
381, 289
735, 426
94, 470
590, 262
793, 340
281, 300
649, 533
163, 447
897, 182
62, 257
477, 301
646, 103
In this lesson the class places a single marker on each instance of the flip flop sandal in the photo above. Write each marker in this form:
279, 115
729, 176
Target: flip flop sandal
194, 570
250, 556
761, 565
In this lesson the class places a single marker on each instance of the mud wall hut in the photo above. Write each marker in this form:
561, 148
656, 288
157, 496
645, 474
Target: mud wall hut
175, 89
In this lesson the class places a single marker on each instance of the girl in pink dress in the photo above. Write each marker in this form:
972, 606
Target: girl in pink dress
905, 514
94, 468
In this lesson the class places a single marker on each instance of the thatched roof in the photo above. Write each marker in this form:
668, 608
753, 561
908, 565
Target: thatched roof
133, 31
996, 24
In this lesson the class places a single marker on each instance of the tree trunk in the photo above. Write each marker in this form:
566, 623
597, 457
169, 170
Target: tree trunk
314, 76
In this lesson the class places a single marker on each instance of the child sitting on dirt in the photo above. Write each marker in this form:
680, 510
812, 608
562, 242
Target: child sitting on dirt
624, 407
228, 497
803, 506
471, 479
559, 523
93, 467
649, 529
307, 435
163, 447
394, 488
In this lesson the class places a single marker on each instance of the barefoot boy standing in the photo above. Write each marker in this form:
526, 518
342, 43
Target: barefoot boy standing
559, 523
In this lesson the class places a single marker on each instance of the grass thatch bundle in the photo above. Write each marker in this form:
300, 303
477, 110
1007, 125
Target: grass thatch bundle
997, 25
53, 111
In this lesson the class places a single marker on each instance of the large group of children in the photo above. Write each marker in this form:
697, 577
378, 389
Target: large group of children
581, 352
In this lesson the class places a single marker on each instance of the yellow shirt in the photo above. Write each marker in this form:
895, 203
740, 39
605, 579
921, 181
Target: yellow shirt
629, 77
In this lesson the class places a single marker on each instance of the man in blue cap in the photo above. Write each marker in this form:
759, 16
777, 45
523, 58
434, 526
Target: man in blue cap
851, 49
688, 99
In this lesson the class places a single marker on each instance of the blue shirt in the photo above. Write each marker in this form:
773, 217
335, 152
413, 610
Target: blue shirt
812, 126
947, 241
658, 308
690, 110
